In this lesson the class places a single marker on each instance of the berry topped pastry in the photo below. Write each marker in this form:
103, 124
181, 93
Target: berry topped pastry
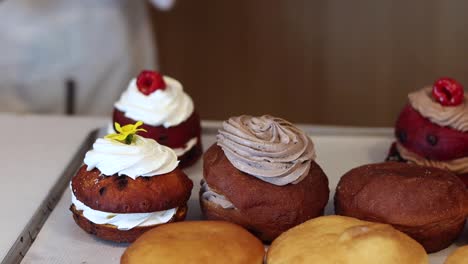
168, 114
432, 129
128, 185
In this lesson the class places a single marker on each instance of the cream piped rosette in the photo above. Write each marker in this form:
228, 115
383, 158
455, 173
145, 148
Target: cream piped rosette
268, 148
126, 153
143, 158
165, 107
455, 117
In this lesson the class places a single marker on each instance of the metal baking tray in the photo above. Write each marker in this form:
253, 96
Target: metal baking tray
60, 240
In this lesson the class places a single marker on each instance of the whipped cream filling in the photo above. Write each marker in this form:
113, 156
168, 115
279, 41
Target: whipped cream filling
214, 197
123, 221
179, 151
188, 146
266, 147
168, 107
458, 166
144, 157
455, 117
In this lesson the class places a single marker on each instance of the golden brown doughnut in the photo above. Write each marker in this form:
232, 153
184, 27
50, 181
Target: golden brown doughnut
195, 242
345, 240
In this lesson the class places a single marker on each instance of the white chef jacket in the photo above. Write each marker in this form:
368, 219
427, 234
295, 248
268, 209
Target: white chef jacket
99, 44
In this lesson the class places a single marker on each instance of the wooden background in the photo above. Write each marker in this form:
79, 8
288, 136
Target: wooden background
321, 62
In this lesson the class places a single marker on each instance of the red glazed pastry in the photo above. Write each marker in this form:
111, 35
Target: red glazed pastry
432, 129
167, 112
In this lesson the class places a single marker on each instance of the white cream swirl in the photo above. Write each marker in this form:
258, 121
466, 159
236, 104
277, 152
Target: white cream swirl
168, 107
458, 166
455, 117
144, 157
179, 151
269, 148
123, 221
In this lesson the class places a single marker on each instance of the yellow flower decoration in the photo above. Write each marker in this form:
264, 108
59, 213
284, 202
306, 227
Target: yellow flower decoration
126, 133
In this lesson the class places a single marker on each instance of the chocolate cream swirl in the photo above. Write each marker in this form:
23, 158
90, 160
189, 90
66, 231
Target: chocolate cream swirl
214, 197
455, 117
457, 166
268, 148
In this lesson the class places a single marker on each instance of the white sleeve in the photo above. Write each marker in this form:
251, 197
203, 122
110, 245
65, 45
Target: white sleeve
164, 5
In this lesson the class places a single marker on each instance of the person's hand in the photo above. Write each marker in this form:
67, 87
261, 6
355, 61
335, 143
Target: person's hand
163, 5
